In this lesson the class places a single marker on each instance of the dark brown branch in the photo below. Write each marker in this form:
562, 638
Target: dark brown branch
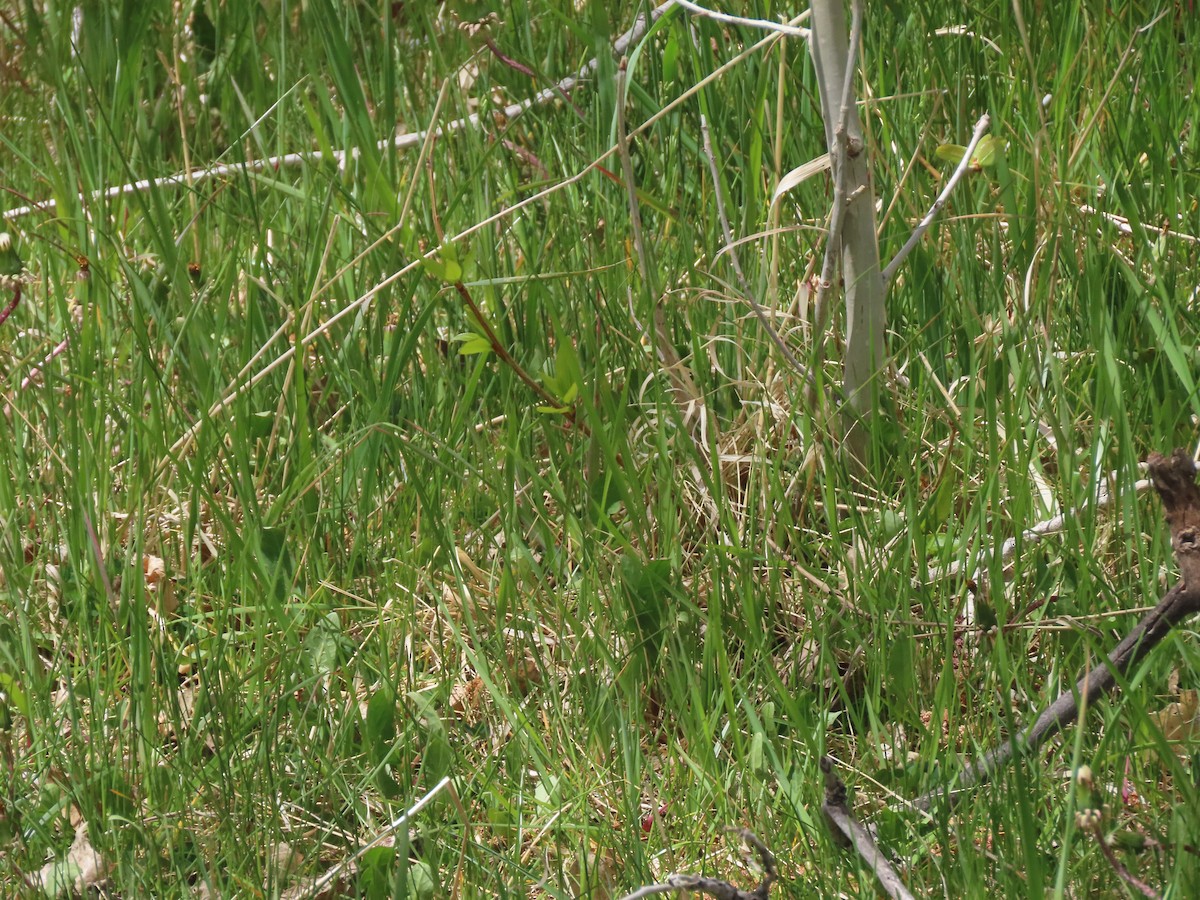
848, 832
1174, 478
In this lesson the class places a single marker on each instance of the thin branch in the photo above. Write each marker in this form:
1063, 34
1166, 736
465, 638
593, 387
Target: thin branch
726, 231
37, 370
762, 24
350, 865
1174, 479
961, 169
1097, 831
848, 832
245, 382
714, 887
650, 890
399, 142
1122, 224
507, 358
525, 70
13, 304
1105, 497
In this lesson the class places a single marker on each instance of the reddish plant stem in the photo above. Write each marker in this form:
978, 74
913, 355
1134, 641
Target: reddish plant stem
16, 299
507, 358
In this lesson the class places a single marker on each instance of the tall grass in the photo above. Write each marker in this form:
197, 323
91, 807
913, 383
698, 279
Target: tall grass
388, 561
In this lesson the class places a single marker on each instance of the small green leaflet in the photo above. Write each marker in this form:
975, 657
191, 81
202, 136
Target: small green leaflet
444, 265
567, 398
472, 343
562, 379
379, 736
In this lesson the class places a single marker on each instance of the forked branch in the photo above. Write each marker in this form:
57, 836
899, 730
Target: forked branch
714, 887
849, 832
1174, 477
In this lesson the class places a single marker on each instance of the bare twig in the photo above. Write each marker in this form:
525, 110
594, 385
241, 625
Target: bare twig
1105, 497
1174, 478
507, 358
961, 169
193, 177
13, 304
1123, 225
714, 887
525, 70
848, 832
763, 24
315, 887
245, 381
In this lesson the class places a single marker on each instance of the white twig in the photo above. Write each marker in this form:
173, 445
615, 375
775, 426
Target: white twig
966, 32
762, 24
1122, 224
963, 164
400, 141
326, 879
37, 370
1104, 498
743, 282
651, 889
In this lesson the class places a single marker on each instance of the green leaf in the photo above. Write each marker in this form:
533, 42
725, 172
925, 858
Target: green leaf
649, 586
546, 793
375, 873
321, 651
670, 60
758, 755
985, 152
568, 399
472, 343
10, 692
453, 272
421, 883
444, 265
437, 760
379, 732
951, 153
901, 668
985, 155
